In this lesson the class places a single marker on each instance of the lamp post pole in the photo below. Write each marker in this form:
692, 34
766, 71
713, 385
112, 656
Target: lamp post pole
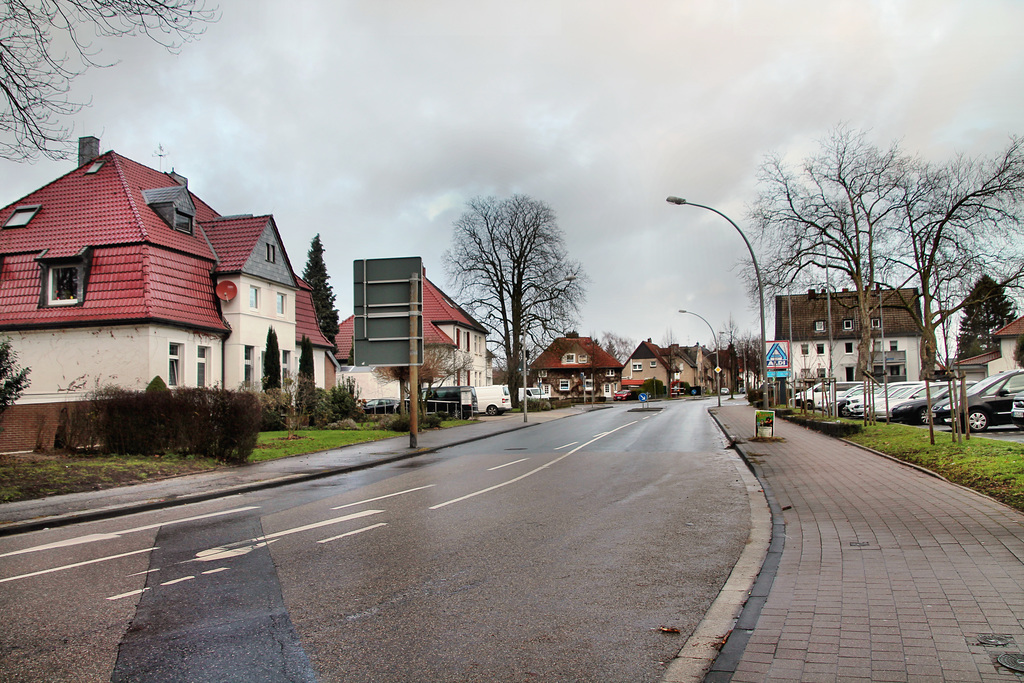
714, 337
760, 288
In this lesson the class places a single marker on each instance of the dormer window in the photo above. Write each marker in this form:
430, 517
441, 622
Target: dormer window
583, 358
271, 253
569, 358
21, 216
182, 222
63, 280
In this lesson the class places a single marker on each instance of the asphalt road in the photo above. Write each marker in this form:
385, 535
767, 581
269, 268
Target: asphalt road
552, 553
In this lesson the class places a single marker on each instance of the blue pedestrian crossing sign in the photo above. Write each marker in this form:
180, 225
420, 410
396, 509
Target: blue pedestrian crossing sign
778, 355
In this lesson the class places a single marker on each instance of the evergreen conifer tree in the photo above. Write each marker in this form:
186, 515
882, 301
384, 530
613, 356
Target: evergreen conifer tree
306, 367
272, 362
988, 308
316, 275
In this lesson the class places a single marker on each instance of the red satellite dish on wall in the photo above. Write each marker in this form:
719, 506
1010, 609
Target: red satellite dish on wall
226, 290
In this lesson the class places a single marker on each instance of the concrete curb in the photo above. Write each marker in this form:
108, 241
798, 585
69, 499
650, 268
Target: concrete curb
705, 654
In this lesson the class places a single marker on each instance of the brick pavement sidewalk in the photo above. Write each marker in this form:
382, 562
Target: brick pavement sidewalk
886, 573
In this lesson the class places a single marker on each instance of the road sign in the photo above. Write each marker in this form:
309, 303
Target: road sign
384, 303
778, 373
643, 398
778, 355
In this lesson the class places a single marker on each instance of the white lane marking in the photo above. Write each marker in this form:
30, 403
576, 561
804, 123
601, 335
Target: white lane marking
174, 581
514, 462
76, 564
216, 571
567, 445
243, 547
148, 571
528, 474
648, 417
92, 538
371, 500
352, 533
128, 594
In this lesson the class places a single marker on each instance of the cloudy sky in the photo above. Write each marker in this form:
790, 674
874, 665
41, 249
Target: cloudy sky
371, 122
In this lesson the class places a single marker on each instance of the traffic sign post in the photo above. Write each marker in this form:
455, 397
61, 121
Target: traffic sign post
388, 324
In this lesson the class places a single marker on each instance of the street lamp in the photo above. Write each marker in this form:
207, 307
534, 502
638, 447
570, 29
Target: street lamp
718, 374
760, 288
526, 395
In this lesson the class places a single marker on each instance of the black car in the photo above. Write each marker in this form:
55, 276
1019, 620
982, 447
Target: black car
381, 406
989, 402
916, 412
1017, 414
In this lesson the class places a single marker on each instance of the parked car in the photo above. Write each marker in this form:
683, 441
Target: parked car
493, 400
1017, 411
624, 395
821, 394
842, 402
535, 394
915, 411
989, 402
896, 391
380, 406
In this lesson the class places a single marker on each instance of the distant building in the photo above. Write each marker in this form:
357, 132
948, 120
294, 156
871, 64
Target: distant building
821, 341
573, 367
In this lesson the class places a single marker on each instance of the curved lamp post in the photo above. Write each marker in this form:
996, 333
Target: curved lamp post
718, 375
760, 288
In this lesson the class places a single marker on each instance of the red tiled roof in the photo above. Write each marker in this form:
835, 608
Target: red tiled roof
981, 359
306, 324
439, 308
551, 358
1014, 329
234, 238
432, 334
178, 290
83, 209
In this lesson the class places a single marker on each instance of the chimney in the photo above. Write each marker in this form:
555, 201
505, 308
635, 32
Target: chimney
180, 179
88, 149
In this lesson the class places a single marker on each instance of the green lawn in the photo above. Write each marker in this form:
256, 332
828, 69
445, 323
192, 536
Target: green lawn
989, 466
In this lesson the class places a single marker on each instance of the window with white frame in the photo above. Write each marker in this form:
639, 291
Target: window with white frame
609, 373
542, 373
583, 358
254, 298
563, 385
249, 354
894, 345
805, 349
569, 358
64, 284
819, 325
820, 348
173, 364
654, 363
281, 298
21, 216
286, 363
588, 385
847, 323
638, 366
849, 347
876, 323
202, 353
821, 372
607, 389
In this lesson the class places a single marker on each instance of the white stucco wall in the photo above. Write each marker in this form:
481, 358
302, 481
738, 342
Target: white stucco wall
68, 363
369, 384
249, 328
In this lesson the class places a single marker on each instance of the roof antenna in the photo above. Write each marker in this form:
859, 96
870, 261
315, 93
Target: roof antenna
160, 153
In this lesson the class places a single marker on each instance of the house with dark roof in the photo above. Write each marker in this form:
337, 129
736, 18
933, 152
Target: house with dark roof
679, 368
998, 360
116, 273
454, 341
824, 328
573, 366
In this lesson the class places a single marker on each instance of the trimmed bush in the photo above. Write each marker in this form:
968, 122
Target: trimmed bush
831, 428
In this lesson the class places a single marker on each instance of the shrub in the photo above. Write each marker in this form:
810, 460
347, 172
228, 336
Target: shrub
396, 423
347, 424
337, 403
273, 405
157, 384
430, 421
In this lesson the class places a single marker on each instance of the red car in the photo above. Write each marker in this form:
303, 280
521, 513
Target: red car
624, 395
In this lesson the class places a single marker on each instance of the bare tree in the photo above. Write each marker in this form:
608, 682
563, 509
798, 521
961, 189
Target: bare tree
831, 214
618, 346
508, 257
956, 222
36, 71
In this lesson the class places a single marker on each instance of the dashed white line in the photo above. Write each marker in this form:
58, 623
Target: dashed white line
215, 571
528, 474
128, 594
76, 564
174, 581
514, 462
352, 533
371, 500
567, 445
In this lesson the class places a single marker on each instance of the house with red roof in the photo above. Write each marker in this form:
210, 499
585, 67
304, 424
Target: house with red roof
455, 345
116, 273
998, 360
572, 366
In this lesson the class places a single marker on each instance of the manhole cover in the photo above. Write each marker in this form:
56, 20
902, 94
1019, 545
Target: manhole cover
992, 639
1014, 662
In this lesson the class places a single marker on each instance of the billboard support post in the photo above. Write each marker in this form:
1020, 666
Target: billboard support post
414, 389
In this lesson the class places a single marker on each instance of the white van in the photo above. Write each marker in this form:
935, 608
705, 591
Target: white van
535, 394
493, 400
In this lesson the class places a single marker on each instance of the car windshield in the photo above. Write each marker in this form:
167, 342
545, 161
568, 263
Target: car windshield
985, 384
